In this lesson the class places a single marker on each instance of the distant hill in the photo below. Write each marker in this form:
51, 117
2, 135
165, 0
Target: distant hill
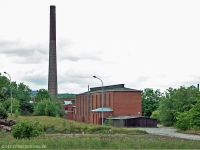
34, 92
66, 95
63, 95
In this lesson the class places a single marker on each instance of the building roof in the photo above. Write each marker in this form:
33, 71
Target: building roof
67, 102
100, 109
124, 117
111, 88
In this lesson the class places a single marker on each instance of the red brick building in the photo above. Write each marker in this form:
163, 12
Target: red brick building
118, 101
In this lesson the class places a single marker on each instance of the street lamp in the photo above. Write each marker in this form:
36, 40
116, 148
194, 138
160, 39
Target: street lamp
10, 91
102, 99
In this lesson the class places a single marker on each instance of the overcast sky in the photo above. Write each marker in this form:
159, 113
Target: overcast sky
139, 43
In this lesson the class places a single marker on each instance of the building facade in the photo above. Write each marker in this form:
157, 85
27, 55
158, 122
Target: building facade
117, 101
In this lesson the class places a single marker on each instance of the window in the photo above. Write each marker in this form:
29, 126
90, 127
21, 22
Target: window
83, 105
105, 100
72, 110
109, 99
92, 103
100, 101
96, 101
96, 119
86, 105
80, 106
66, 110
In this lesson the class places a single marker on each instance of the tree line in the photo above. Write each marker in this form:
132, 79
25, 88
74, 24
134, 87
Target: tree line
175, 107
44, 103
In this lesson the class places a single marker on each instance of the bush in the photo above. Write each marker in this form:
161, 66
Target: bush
99, 129
27, 129
48, 107
155, 115
3, 113
49, 129
17, 113
189, 119
183, 121
108, 122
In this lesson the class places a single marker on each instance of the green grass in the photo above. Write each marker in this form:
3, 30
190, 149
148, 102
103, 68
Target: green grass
103, 142
62, 125
95, 137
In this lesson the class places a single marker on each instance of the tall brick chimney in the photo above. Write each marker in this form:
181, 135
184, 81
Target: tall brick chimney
52, 80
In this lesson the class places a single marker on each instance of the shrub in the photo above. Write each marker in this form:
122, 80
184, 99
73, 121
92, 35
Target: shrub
183, 121
194, 112
3, 113
189, 119
48, 107
17, 113
27, 129
15, 105
49, 129
155, 115
64, 123
108, 121
99, 129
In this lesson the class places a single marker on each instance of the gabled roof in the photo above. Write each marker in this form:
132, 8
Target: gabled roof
100, 109
125, 117
111, 88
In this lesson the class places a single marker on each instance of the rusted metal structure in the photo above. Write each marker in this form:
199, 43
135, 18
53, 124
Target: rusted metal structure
52, 79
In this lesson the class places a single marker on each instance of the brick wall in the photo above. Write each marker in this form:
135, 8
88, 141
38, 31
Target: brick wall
95, 117
121, 102
71, 111
127, 103
82, 108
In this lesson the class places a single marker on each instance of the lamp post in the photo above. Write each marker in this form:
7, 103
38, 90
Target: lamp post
102, 99
10, 91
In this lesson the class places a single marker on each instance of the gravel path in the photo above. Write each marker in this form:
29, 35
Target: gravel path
171, 132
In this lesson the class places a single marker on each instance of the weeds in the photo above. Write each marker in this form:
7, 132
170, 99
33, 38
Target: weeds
56, 141
96, 137
2, 133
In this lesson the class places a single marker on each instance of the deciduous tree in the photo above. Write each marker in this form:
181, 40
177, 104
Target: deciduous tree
150, 101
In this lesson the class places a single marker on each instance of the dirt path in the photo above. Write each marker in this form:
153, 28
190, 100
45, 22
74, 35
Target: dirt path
169, 131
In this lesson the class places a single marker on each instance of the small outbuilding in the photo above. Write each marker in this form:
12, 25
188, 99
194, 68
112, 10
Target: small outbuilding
132, 121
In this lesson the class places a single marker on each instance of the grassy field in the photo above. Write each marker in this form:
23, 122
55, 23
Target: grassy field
119, 138
61, 125
100, 142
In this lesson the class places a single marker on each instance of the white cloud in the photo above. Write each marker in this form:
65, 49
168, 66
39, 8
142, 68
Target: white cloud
140, 43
